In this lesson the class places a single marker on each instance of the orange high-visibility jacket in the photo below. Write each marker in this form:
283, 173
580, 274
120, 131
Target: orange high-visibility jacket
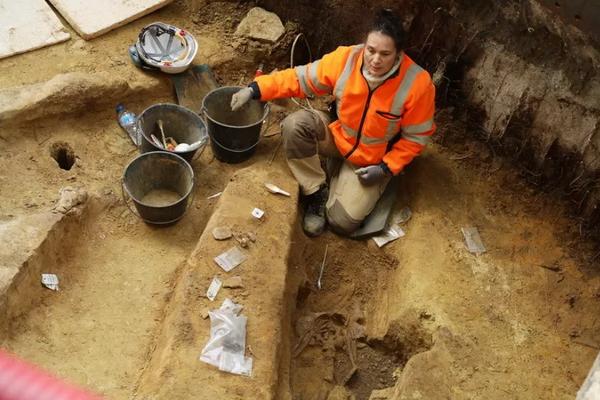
368, 120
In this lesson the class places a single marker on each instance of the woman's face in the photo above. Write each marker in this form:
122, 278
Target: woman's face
380, 53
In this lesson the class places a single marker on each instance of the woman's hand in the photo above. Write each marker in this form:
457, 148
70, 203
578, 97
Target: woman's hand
240, 98
372, 174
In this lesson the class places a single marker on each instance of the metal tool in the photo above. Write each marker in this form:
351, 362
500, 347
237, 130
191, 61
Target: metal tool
162, 133
322, 268
156, 141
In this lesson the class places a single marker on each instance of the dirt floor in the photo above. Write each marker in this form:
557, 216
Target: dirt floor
525, 309
419, 318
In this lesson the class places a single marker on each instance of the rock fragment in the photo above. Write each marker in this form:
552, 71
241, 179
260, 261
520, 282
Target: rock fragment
262, 25
235, 282
70, 197
221, 233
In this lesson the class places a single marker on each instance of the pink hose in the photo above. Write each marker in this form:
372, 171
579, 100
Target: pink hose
23, 381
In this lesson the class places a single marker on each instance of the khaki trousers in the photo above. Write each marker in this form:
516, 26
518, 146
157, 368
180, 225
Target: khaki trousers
305, 138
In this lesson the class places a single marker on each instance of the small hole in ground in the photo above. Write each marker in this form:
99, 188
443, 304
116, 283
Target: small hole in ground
63, 154
375, 369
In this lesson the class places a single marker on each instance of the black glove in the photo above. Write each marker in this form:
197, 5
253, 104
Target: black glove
373, 173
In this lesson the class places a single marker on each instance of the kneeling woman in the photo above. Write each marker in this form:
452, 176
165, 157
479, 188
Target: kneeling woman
384, 106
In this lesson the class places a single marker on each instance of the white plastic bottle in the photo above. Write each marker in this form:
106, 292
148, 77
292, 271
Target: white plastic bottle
128, 121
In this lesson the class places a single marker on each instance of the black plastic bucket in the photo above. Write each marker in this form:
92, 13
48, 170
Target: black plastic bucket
180, 123
233, 135
160, 184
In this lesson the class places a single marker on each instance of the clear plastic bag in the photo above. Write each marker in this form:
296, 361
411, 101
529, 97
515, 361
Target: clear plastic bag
227, 344
590, 390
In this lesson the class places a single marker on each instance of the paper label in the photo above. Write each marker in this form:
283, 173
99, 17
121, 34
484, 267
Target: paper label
473, 240
213, 289
50, 281
230, 259
258, 213
390, 234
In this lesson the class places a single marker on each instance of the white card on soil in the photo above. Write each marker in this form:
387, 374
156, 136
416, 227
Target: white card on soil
389, 234
473, 240
258, 213
230, 259
50, 281
213, 289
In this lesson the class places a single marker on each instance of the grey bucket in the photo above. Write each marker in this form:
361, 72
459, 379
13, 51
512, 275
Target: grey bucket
158, 170
233, 135
182, 124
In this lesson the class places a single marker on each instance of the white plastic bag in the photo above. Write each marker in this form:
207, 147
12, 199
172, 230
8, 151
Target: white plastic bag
227, 344
590, 390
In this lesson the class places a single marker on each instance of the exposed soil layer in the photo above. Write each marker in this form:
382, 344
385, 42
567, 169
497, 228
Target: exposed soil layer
98, 328
458, 319
375, 370
516, 76
330, 323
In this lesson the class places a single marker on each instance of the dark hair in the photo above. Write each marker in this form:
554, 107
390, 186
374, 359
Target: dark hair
388, 23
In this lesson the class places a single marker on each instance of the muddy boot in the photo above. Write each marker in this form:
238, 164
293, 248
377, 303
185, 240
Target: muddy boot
314, 212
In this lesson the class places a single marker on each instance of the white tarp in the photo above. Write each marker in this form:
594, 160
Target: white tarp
590, 390
94, 18
28, 25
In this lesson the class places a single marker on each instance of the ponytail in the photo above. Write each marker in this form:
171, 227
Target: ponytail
388, 23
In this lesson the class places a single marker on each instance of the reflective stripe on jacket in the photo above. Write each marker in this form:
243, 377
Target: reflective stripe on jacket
401, 108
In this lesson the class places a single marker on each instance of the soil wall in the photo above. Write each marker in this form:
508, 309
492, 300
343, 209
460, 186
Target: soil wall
510, 73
